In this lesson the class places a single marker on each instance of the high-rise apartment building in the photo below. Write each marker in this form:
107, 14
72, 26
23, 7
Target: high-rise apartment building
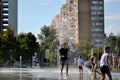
8, 14
81, 20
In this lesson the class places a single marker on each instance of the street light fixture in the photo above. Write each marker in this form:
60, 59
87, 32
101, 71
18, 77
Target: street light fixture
98, 47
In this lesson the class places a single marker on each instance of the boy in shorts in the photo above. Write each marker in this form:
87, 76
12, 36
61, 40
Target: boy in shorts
104, 64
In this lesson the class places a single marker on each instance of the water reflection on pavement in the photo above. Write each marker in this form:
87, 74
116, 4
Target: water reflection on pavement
45, 74
16, 76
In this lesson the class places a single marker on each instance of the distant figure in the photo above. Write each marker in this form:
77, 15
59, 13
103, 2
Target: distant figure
104, 64
80, 64
64, 58
119, 63
34, 59
94, 64
92, 59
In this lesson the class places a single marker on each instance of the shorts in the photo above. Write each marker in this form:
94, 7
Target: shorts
93, 64
80, 67
104, 70
64, 62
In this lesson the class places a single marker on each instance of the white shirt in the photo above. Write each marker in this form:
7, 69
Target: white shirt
80, 62
103, 60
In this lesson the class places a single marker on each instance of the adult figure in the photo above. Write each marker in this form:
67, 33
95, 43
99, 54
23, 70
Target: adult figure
104, 64
64, 58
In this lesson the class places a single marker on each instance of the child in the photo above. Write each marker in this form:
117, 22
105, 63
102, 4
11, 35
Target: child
94, 64
80, 64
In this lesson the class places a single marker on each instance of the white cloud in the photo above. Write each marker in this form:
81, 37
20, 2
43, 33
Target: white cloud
109, 29
114, 17
112, 29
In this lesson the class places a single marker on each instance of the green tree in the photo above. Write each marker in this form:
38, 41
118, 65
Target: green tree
27, 46
53, 48
8, 44
111, 41
1, 45
118, 45
84, 47
47, 38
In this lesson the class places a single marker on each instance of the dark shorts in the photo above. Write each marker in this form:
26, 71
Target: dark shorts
64, 62
80, 67
104, 70
93, 64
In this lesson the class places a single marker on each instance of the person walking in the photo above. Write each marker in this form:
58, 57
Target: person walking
94, 64
64, 58
80, 64
104, 64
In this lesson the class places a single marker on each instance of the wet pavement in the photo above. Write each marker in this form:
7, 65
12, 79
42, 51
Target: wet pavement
47, 74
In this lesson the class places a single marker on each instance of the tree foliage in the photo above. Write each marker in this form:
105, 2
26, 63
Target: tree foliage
12, 46
111, 41
8, 44
84, 47
118, 45
27, 45
48, 40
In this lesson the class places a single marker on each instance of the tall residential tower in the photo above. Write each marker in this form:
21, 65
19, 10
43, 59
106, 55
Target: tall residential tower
81, 20
8, 14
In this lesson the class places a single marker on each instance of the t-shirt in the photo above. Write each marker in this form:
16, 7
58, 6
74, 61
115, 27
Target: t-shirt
103, 59
80, 62
64, 53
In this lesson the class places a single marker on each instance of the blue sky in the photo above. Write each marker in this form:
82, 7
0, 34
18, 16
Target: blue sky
33, 14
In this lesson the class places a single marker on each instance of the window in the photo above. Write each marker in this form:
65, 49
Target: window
97, 8
5, 8
5, 19
71, 11
72, 20
71, 17
97, 24
97, 2
5, 3
93, 23
71, 26
5, 24
94, 2
101, 2
5, 14
71, 1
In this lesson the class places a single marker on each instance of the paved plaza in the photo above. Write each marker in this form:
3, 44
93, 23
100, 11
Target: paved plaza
47, 74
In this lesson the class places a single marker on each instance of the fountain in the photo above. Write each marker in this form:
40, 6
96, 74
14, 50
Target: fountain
20, 77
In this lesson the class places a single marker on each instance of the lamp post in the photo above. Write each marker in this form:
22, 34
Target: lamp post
47, 56
20, 61
58, 59
20, 67
98, 47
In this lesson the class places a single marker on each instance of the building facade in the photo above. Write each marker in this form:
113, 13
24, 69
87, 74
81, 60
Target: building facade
81, 20
9, 14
